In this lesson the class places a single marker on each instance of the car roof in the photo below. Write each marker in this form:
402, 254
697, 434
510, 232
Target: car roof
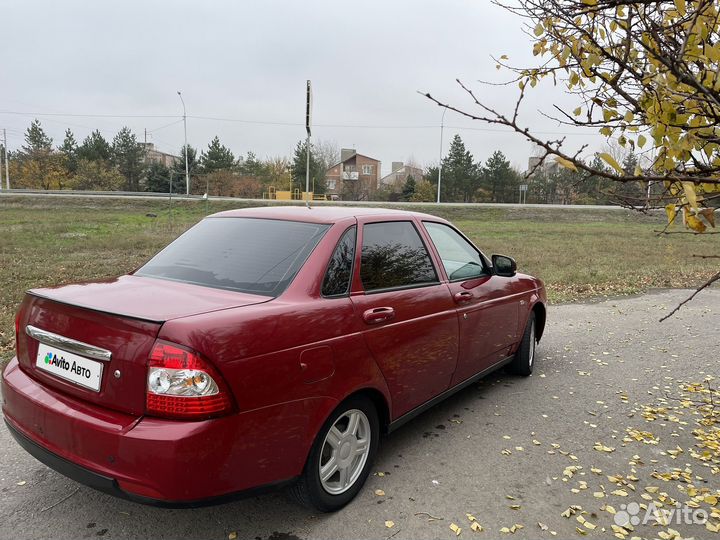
319, 214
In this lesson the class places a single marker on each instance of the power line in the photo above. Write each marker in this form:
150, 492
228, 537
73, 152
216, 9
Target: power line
77, 115
178, 119
153, 130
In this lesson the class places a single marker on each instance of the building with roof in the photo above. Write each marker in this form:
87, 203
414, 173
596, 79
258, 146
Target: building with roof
152, 155
355, 177
399, 175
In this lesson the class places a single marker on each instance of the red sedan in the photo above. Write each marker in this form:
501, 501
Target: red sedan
263, 347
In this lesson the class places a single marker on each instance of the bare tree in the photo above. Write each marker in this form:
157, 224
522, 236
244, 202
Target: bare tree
327, 153
646, 75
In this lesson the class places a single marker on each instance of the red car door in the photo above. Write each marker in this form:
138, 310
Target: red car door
487, 307
409, 316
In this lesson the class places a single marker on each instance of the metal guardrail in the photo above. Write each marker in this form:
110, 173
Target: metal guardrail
175, 196
70, 192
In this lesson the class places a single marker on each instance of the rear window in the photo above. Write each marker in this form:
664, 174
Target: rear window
256, 256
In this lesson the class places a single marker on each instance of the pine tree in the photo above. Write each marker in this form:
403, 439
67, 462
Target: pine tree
178, 168
36, 140
298, 169
95, 148
595, 189
157, 179
39, 165
69, 150
217, 157
127, 156
408, 189
499, 179
459, 174
252, 166
631, 192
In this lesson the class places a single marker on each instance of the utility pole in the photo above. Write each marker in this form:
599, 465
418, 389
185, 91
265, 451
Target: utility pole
145, 149
7, 170
187, 174
442, 126
308, 122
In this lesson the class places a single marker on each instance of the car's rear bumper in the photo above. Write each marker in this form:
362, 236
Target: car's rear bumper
110, 485
153, 460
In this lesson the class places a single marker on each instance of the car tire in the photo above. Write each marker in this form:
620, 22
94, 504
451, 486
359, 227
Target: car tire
353, 453
524, 359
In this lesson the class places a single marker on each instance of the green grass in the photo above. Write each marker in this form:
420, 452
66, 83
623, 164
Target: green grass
581, 254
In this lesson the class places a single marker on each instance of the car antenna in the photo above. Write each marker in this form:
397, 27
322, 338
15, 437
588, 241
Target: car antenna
308, 122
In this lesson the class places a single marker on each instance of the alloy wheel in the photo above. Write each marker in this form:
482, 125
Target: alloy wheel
344, 452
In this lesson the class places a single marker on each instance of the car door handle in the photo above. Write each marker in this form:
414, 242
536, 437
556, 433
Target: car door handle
462, 297
378, 315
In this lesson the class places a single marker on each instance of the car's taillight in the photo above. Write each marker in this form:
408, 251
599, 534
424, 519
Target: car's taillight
180, 384
17, 334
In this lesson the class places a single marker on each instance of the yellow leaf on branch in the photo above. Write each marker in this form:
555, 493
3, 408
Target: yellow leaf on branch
690, 193
693, 222
681, 7
607, 158
565, 163
671, 212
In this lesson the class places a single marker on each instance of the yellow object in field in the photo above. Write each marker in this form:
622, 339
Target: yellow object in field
295, 195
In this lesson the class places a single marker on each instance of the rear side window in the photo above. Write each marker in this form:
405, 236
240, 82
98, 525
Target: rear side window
393, 255
339, 271
460, 259
257, 256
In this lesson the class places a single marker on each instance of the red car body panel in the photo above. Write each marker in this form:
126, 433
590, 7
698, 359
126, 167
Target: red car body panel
164, 460
288, 362
140, 298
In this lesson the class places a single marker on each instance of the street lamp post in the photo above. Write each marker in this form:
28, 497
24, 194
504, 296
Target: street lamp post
442, 126
187, 174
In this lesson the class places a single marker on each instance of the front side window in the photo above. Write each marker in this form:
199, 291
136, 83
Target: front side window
459, 258
339, 271
393, 256
256, 256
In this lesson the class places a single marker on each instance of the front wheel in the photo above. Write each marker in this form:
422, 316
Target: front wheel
341, 457
522, 363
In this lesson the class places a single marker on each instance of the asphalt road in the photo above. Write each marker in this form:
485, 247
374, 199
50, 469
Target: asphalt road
598, 365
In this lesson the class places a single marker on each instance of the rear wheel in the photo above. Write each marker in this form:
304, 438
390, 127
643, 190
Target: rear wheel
524, 360
341, 456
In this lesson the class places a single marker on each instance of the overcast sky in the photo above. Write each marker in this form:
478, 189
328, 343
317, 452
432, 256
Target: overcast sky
249, 61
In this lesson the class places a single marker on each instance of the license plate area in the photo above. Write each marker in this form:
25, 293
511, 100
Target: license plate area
70, 367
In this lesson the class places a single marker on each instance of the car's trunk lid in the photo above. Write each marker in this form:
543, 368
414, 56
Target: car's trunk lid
105, 330
149, 299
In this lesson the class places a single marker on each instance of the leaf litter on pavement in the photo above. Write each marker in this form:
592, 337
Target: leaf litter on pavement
675, 406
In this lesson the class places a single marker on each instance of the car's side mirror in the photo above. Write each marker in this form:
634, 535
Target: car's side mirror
504, 266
